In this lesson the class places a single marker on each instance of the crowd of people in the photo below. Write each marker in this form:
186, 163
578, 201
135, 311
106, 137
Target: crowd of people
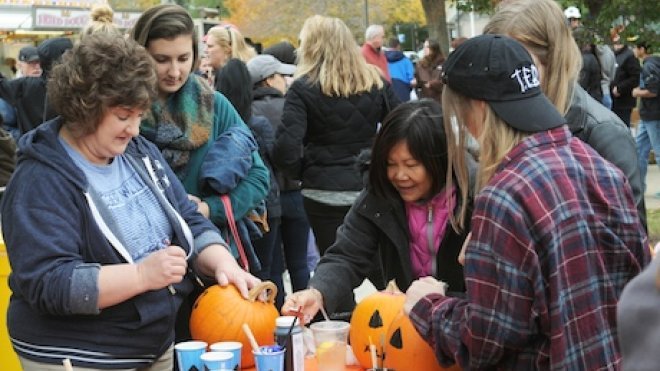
499, 186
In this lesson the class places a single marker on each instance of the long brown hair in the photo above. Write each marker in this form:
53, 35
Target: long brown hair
166, 21
434, 57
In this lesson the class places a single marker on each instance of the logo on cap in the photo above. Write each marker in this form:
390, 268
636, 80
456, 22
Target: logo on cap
527, 77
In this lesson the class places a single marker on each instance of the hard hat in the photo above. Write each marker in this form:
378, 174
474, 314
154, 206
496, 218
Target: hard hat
572, 12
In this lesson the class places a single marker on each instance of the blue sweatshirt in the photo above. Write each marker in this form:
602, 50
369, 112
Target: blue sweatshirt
57, 239
402, 72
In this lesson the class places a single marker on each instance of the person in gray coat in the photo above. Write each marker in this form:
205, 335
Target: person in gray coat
638, 320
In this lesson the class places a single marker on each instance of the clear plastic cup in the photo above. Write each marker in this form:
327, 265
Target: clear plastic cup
330, 338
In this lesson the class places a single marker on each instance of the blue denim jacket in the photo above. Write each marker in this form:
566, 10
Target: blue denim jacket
227, 162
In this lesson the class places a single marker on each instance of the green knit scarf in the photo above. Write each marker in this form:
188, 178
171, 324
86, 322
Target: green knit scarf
182, 124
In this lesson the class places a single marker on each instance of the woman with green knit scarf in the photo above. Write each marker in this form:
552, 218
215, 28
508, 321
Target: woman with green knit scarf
189, 117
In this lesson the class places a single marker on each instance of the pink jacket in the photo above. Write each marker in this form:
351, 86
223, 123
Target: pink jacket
427, 223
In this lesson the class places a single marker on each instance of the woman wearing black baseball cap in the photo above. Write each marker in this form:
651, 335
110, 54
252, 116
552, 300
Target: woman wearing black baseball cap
555, 233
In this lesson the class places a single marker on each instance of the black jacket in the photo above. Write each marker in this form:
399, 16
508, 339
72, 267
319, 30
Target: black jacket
269, 102
610, 137
321, 136
649, 108
590, 75
625, 79
375, 238
28, 94
263, 133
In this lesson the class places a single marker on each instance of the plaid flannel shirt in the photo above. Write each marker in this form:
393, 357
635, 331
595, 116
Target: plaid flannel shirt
555, 237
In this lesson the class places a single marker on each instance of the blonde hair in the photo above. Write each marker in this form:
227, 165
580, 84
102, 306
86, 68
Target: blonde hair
101, 20
328, 55
540, 26
232, 42
496, 139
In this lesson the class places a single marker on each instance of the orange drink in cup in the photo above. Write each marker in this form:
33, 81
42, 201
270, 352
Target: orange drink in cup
330, 338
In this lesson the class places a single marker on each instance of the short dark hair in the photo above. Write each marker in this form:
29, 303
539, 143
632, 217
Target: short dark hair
644, 44
165, 21
102, 71
393, 42
419, 123
234, 82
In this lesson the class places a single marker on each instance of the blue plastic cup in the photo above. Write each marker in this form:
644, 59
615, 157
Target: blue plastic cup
189, 355
217, 361
269, 358
233, 347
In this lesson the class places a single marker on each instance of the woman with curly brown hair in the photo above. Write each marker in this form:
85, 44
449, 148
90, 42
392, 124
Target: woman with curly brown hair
103, 241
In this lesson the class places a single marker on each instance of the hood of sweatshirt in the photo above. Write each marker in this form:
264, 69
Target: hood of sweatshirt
394, 55
42, 145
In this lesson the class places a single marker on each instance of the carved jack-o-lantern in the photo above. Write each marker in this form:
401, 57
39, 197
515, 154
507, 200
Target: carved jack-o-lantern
371, 319
407, 351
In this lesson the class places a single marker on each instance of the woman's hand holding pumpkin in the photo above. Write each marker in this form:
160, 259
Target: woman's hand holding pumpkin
217, 261
228, 271
311, 300
163, 267
421, 288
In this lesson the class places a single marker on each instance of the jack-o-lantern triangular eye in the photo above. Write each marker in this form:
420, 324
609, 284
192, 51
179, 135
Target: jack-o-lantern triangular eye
396, 340
375, 321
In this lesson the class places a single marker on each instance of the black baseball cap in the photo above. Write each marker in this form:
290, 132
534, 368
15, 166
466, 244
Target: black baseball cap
28, 54
500, 71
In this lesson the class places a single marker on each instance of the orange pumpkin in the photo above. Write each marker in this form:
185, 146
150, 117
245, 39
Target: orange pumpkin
219, 314
405, 350
371, 319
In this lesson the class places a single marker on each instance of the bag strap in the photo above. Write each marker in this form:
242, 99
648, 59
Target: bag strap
388, 107
234, 231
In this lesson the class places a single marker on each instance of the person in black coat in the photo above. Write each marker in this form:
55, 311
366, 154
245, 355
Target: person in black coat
626, 78
234, 81
28, 94
387, 227
269, 78
332, 112
590, 74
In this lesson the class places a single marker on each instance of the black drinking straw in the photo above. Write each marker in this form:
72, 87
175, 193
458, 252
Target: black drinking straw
293, 324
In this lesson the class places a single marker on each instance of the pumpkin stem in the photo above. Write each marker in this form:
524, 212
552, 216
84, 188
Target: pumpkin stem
392, 288
259, 288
